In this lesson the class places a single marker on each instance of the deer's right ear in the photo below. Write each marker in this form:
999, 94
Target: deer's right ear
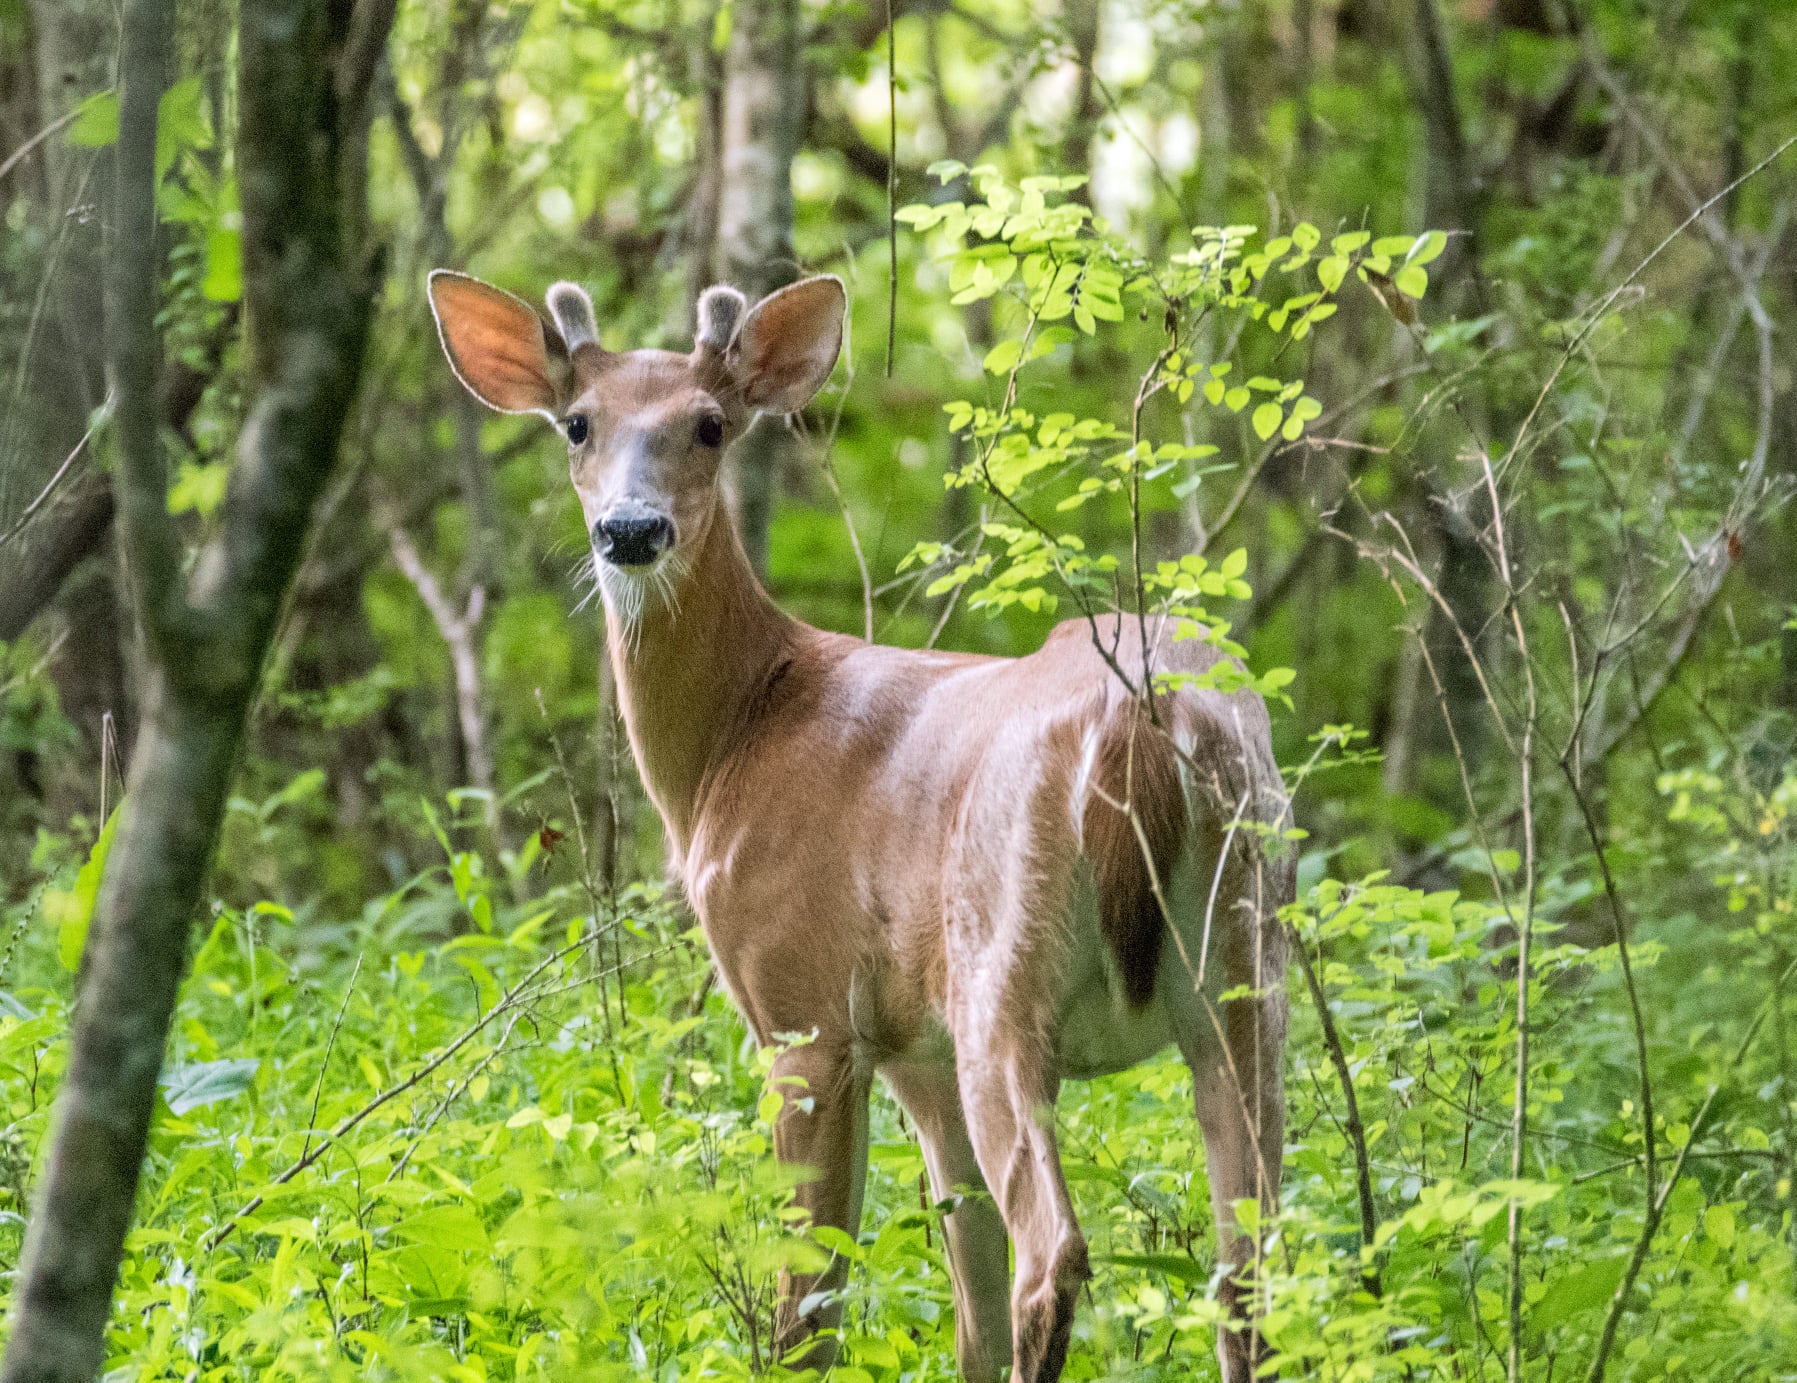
495, 343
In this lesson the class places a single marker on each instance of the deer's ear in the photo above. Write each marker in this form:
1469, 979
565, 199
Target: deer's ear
787, 345
495, 343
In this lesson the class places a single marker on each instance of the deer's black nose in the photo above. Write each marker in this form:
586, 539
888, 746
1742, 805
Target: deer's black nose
633, 541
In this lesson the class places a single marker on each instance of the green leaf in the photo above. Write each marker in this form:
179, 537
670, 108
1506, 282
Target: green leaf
202, 1083
198, 489
919, 217
180, 123
1719, 1225
98, 124
1428, 246
72, 911
224, 265
453, 1227
1412, 281
1266, 420
1331, 272
1004, 356
1583, 1289
837, 1241
1172, 1265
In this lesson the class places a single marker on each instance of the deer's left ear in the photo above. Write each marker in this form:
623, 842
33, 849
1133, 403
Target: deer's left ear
787, 345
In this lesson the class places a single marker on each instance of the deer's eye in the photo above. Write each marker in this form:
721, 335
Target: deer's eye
576, 428
711, 431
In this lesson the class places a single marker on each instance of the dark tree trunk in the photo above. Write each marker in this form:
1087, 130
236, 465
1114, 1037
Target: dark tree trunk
305, 69
1454, 201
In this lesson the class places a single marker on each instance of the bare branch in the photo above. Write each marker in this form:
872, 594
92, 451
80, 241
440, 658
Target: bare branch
458, 630
17, 156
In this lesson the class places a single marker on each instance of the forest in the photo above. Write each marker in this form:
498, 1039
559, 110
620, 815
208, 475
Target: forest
1429, 362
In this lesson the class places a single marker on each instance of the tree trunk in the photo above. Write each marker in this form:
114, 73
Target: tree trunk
763, 113
1081, 19
71, 525
74, 42
1454, 201
305, 68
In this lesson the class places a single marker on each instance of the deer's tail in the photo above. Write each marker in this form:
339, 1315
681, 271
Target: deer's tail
1133, 829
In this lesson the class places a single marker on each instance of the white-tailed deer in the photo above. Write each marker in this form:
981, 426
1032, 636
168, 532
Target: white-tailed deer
973, 875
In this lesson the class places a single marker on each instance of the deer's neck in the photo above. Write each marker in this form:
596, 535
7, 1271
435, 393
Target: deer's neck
690, 674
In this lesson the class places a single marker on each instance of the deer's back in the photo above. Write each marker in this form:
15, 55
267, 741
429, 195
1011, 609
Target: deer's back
874, 793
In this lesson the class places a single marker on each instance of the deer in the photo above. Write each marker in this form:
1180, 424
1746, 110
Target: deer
973, 876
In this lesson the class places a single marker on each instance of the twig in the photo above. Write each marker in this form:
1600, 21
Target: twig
61, 471
1526, 933
455, 1093
826, 452
1651, 1170
508, 1001
586, 874
19, 153
1356, 1130
891, 197
329, 1046
1602, 309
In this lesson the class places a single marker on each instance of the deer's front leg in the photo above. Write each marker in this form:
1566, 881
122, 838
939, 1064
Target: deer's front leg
822, 1128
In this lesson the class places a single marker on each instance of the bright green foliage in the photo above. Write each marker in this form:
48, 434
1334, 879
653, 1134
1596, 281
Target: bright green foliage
1287, 441
1049, 260
525, 1155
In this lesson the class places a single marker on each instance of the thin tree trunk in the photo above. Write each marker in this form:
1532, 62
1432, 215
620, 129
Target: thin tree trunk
75, 41
763, 114
1453, 200
698, 234
305, 66
60, 377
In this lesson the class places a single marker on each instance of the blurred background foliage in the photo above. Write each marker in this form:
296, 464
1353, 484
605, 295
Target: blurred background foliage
1552, 492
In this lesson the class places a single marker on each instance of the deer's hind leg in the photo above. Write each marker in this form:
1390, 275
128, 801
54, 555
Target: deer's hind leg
1008, 1086
1006, 944
1236, 1051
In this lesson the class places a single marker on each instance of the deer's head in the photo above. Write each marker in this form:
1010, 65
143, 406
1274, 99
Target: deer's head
646, 429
